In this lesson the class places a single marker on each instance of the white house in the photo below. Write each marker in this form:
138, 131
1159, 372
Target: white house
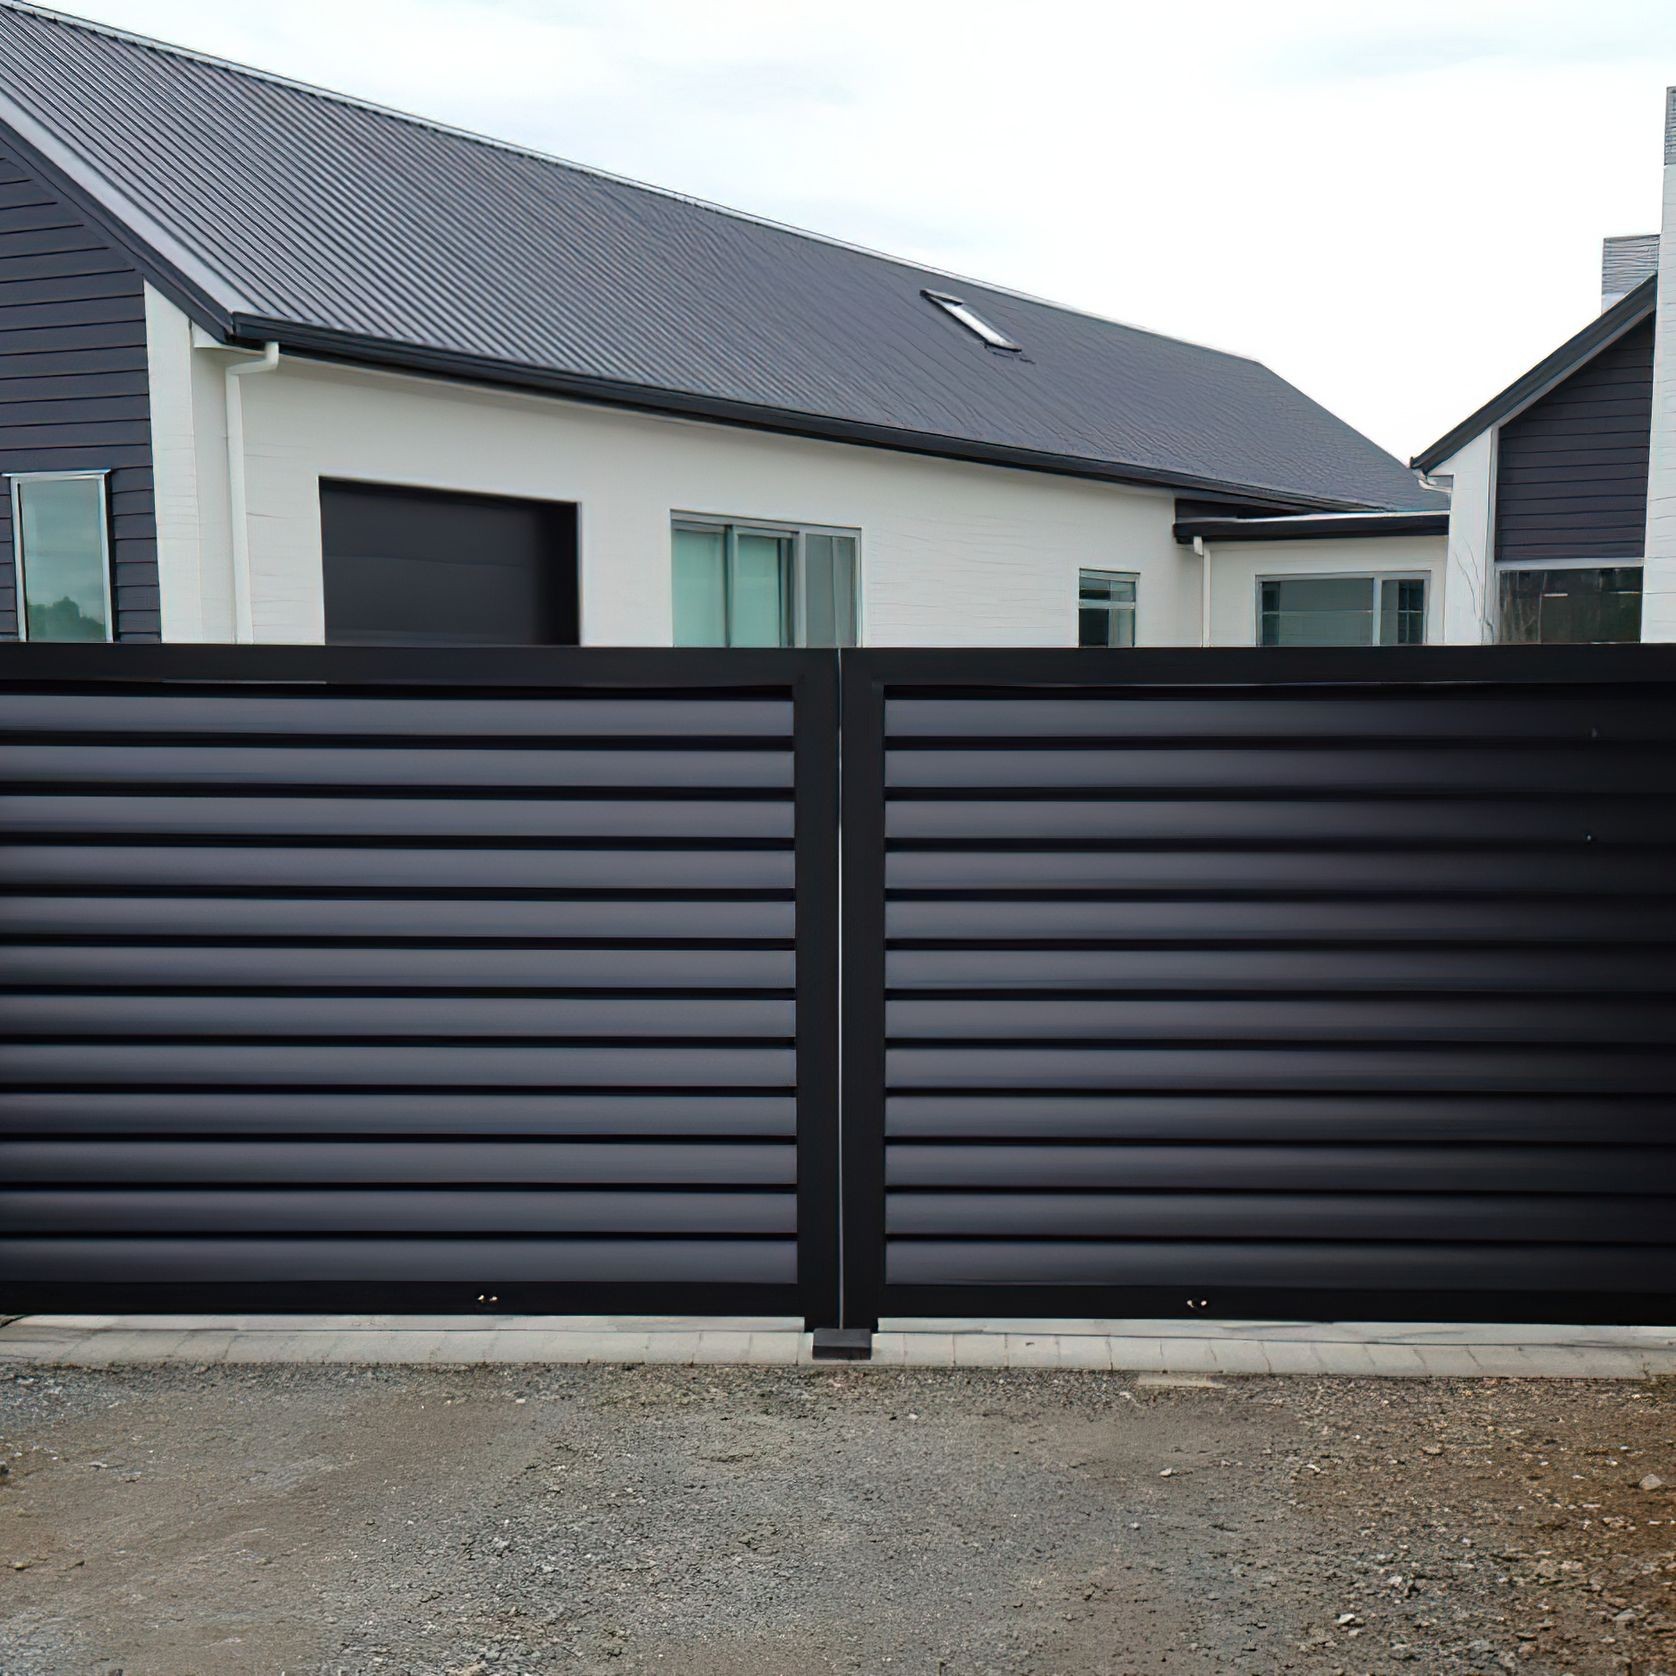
277, 365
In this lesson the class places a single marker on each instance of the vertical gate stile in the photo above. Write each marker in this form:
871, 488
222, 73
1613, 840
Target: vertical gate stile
862, 859
815, 783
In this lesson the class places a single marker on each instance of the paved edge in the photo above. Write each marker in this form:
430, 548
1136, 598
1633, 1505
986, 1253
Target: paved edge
1197, 1349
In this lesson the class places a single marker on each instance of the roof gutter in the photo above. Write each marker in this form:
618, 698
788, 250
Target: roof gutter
351, 347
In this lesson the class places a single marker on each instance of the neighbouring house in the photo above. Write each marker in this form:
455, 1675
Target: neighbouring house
279, 365
1562, 521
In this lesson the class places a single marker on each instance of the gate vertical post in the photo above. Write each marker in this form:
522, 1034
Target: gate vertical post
862, 863
816, 850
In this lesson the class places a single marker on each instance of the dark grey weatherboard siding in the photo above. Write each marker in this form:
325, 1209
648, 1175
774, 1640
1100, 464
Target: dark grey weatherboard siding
1571, 470
414, 995
439, 250
73, 382
1196, 996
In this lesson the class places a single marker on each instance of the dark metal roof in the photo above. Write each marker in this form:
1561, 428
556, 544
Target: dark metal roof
1313, 526
274, 210
1605, 329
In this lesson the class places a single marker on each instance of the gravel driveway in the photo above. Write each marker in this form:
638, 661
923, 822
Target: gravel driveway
166, 1521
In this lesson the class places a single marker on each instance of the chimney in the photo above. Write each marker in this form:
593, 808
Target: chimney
1624, 262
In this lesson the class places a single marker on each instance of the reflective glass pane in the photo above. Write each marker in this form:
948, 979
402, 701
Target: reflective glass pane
757, 595
844, 590
700, 588
820, 625
1570, 607
1317, 611
61, 539
1093, 626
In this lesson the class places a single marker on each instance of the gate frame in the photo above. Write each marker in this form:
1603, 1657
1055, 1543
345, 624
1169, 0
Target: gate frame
808, 678
869, 678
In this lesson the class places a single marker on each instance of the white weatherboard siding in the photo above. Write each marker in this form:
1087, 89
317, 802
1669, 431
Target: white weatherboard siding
951, 554
1658, 601
1237, 566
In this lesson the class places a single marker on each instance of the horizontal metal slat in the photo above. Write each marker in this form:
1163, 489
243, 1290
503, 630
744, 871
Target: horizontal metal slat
413, 966
233, 1114
255, 765
1196, 1268
456, 1163
1194, 1115
1266, 715
1377, 768
245, 1211
421, 919
284, 715
1509, 822
84, 1064
259, 867
1327, 1168
489, 818
461, 1262
1521, 1069
1319, 1018
1584, 867
1388, 968
1471, 1218
426, 1017
1558, 920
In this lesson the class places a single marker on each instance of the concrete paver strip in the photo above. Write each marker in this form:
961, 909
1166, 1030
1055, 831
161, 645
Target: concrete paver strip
1443, 1350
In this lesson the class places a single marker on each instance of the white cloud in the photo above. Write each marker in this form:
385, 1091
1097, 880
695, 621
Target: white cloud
1398, 209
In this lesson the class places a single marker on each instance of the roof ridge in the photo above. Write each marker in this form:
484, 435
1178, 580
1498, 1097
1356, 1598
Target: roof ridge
215, 61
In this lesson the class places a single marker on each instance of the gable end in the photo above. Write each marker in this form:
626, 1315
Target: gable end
1571, 470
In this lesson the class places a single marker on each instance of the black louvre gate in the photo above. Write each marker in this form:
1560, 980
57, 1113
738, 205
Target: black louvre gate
1265, 982
1313, 983
361, 979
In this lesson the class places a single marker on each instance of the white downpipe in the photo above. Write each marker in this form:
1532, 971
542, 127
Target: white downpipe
244, 621
1202, 548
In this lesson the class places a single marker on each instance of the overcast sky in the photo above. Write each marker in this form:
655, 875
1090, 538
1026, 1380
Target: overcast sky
1397, 207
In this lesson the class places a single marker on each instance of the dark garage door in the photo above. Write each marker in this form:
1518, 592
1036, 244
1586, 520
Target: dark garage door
416, 567
400, 979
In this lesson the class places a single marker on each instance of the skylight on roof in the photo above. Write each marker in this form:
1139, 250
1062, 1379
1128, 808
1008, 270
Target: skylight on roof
971, 320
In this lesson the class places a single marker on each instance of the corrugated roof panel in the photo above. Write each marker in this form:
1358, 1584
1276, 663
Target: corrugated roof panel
320, 212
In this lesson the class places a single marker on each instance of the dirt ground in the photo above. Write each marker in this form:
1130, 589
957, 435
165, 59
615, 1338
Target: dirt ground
171, 1521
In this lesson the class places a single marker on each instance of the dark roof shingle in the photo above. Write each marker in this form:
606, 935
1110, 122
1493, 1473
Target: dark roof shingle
285, 211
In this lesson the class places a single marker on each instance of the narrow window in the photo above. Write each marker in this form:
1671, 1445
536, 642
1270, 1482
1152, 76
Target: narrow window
1105, 608
763, 585
971, 320
61, 550
1570, 606
1341, 611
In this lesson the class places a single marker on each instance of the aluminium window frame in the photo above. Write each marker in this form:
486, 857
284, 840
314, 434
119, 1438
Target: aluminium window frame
15, 481
778, 530
1134, 607
1374, 578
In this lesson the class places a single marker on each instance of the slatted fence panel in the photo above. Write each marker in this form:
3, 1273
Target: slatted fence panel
1241, 982
407, 980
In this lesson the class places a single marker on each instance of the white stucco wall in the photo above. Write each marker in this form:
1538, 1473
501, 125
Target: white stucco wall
1236, 568
1469, 584
951, 554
